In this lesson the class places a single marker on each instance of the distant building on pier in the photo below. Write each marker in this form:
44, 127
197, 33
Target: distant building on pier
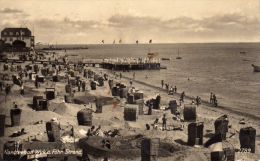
10, 35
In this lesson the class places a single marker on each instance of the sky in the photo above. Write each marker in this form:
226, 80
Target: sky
163, 21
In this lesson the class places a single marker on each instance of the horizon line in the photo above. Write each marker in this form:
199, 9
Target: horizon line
217, 42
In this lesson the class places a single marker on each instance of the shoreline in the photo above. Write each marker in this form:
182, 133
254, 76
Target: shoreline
206, 103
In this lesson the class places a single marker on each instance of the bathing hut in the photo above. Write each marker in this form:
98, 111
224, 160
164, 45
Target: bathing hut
140, 103
150, 149
84, 117
221, 126
15, 116
53, 131
247, 137
217, 156
130, 98
50, 93
173, 106
138, 95
189, 112
195, 133
35, 101
93, 85
130, 112
68, 88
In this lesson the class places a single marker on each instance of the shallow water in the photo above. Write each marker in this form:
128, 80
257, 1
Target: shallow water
217, 68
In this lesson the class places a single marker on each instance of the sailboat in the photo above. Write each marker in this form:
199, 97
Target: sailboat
256, 68
178, 57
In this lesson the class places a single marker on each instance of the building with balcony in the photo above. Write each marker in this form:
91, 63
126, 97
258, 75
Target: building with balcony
10, 35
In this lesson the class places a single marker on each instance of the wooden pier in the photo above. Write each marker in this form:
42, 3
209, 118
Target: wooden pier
126, 67
111, 65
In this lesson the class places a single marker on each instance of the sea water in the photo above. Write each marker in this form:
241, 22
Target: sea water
221, 68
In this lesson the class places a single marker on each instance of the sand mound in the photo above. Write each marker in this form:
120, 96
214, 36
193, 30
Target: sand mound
62, 108
124, 147
90, 99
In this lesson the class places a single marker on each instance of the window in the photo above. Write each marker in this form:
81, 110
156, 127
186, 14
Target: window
11, 39
5, 33
10, 33
17, 33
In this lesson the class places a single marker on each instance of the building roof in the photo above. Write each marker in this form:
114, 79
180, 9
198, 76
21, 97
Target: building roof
15, 32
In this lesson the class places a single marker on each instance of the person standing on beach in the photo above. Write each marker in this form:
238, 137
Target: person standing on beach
182, 97
150, 108
167, 86
134, 75
131, 82
162, 82
164, 120
22, 89
83, 86
120, 75
211, 98
7, 91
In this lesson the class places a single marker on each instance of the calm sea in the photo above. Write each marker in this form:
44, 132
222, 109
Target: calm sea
213, 67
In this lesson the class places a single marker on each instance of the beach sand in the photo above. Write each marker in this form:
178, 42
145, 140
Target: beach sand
112, 117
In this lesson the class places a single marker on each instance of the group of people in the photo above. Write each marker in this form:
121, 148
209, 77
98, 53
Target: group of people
169, 88
213, 99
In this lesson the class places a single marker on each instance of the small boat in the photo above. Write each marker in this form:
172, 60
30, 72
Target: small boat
165, 58
256, 68
163, 67
242, 52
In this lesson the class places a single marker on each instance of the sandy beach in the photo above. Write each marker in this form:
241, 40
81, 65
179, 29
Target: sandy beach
112, 116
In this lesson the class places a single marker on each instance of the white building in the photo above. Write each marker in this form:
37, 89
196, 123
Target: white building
9, 35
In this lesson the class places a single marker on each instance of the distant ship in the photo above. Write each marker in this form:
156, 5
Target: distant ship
178, 57
256, 68
242, 52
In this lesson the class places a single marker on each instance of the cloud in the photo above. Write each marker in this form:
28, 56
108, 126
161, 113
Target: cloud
10, 11
223, 23
222, 27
